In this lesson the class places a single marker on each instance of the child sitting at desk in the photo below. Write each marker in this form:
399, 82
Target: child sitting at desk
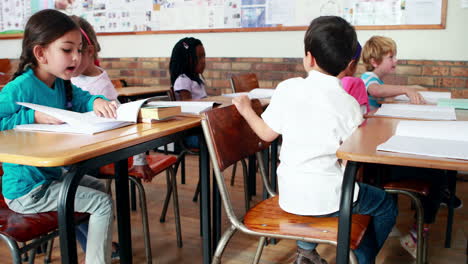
379, 57
353, 85
304, 112
51, 50
186, 67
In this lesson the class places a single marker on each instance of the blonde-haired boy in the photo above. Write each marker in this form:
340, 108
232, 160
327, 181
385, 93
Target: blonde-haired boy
379, 58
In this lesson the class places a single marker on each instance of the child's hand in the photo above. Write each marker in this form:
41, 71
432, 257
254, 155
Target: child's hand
414, 96
242, 104
41, 118
145, 171
105, 108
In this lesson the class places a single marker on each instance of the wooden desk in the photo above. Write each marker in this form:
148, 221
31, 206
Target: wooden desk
360, 148
132, 93
462, 115
85, 152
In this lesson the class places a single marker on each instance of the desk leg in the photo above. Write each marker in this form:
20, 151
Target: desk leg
273, 164
252, 179
66, 209
452, 185
123, 211
344, 224
205, 200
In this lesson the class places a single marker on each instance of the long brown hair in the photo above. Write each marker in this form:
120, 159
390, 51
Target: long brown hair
43, 28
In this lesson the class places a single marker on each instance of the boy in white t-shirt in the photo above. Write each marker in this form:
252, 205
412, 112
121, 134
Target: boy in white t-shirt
314, 115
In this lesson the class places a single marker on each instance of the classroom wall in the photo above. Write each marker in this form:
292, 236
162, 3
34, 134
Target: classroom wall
433, 58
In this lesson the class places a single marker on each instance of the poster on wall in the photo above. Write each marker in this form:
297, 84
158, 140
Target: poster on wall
166, 15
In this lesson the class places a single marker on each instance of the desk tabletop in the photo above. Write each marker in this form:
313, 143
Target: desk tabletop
361, 146
46, 149
141, 90
462, 115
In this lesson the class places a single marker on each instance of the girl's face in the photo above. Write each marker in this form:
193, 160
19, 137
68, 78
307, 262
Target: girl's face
87, 60
200, 51
387, 66
60, 58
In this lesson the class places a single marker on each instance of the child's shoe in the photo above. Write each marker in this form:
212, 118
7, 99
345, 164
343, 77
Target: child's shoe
308, 257
410, 244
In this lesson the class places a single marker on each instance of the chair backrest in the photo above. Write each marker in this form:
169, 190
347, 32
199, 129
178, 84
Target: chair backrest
5, 67
229, 139
117, 83
244, 82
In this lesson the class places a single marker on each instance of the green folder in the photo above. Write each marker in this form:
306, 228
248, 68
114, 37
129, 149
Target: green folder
455, 103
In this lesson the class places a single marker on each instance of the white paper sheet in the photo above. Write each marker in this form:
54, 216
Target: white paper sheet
428, 112
444, 139
257, 93
429, 97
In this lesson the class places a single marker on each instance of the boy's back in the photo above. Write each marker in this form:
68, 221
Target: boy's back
313, 115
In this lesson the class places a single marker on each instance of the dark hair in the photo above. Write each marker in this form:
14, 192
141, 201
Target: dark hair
90, 34
184, 60
332, 41
43, 28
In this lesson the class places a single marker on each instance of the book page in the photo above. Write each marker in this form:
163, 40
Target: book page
423, 146
429, 112
448, 130
429, 97
186, 106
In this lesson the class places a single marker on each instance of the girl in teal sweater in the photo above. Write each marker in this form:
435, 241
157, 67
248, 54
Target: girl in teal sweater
51, 51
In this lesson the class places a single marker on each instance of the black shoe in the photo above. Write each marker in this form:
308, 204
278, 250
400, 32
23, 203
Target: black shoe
308, 257
457, 203
115, 251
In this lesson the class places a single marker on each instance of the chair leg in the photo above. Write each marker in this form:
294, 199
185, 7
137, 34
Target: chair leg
144, 217
16, 257
258, 254
233, 176
246, 185
222, 244
197, 192
32, 254
162, 219
48, 256
24, 256
175, 200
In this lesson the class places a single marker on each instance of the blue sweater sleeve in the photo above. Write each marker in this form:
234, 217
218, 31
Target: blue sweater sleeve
12, 114
83, 101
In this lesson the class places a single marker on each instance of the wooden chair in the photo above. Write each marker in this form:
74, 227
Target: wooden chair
230, 139
119, 83
244, 82
414, 189
25, 233
158, 163
5, 68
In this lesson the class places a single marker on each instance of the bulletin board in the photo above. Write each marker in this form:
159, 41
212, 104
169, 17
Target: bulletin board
111, 17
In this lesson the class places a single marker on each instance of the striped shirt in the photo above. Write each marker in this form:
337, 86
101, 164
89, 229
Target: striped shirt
371, 78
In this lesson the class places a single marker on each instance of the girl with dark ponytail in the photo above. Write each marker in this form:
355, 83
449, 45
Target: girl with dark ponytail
51, 51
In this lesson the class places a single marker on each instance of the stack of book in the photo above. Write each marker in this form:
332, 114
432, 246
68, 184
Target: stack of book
152, 113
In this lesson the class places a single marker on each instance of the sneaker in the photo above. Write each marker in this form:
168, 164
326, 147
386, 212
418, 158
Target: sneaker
457, 203
409, 244
308, 257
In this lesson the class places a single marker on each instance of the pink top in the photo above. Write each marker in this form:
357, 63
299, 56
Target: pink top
356, 88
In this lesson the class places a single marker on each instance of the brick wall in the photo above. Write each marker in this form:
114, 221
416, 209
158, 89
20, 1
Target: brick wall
445, 75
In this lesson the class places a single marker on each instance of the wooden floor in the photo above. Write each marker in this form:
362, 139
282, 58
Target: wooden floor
241, 249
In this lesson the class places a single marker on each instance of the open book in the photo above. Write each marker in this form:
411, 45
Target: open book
444, 139
429, 97
84, 123
430, 112
189, 107
257, 93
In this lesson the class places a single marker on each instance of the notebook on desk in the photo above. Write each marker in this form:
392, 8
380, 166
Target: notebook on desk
428, 112
443, 139
257, 93
429, 96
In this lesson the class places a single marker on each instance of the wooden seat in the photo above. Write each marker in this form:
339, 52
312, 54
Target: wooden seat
414, 189
267, 217
244, 82
16, 229
158, 164
230, 139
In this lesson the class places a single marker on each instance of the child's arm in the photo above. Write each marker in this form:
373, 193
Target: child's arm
389, 90
257, 124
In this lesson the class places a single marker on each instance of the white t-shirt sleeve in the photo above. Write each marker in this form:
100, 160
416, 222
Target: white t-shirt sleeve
274, 112
183, 83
